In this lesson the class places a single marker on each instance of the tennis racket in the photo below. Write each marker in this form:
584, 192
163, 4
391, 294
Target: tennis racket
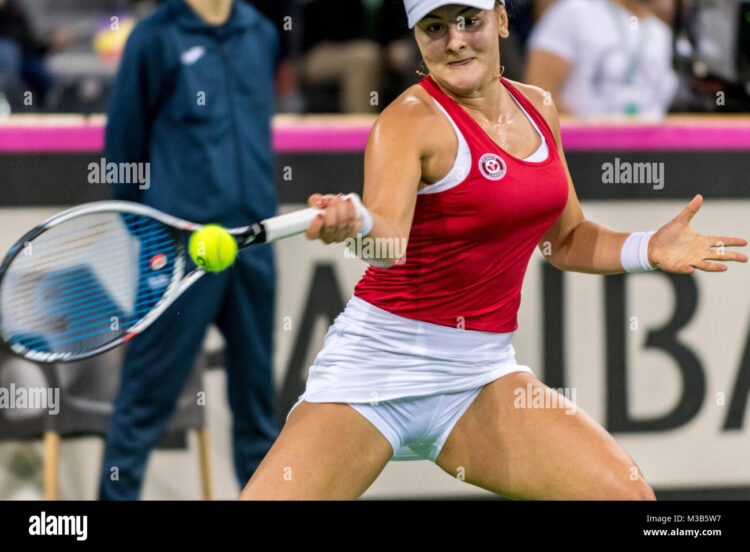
96, 275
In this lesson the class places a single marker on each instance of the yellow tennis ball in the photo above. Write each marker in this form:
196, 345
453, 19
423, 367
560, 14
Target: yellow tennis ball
213, 248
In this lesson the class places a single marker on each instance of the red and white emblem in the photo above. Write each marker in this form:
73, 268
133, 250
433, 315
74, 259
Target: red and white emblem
158, 261
492, 166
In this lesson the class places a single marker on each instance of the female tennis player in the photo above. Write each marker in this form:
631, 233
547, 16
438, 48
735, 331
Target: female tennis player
469, 167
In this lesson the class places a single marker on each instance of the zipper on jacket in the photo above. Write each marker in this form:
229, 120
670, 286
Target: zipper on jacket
235, 130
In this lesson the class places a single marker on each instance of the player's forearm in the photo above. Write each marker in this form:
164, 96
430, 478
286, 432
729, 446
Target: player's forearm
591, 248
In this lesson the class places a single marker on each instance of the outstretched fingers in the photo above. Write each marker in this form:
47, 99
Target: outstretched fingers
691, 209
711, 267
726, 241
717, 252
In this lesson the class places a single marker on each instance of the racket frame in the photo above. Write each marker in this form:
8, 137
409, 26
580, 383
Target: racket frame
174, 289
266, 231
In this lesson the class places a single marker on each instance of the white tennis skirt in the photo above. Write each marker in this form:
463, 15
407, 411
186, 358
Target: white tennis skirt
371, 355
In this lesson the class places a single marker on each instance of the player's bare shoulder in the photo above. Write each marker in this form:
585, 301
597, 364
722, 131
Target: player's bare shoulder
411, 117
542, 101
414, 103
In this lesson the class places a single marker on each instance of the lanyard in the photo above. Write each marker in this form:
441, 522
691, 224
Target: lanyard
634, 58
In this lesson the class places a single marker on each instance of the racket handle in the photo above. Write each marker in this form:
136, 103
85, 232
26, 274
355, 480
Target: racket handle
290, 224
297, 222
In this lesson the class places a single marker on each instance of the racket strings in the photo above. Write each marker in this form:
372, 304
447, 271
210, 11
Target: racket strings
74, 282
84, 282
52, 256
74, 237
86, 307
70, 285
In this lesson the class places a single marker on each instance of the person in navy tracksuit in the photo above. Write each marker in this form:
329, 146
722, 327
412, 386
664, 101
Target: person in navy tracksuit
195, 100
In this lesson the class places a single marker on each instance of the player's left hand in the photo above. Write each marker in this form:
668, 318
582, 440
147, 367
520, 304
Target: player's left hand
678, 248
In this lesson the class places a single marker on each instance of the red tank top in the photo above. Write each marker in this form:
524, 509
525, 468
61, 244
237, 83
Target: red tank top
470, 245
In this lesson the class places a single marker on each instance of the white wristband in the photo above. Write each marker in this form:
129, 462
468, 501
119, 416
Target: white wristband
366, 222
634, 254
361, 212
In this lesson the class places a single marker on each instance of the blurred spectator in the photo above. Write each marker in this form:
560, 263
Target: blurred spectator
339, 48
713, 55
664, 10
513, 48
193, 100
283, 14
605, 57
400, 53
22, 54
540, 6
276, 11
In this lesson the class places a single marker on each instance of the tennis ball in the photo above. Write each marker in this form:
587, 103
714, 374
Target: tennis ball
213, 248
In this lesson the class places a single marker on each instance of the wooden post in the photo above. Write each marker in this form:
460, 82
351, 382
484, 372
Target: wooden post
51, 456
204, 452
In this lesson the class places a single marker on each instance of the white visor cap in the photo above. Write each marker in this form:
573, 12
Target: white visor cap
417, 9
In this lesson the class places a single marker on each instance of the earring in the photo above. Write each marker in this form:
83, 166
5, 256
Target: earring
422, 73
502, 70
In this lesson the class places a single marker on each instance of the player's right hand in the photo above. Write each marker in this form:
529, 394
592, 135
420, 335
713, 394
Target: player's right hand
337, 223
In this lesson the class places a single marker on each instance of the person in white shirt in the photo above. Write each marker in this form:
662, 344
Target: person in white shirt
603, 58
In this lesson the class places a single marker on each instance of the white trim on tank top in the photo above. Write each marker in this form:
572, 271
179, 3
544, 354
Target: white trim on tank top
462, 166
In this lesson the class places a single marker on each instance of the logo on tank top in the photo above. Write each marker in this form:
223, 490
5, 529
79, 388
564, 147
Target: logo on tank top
492, 166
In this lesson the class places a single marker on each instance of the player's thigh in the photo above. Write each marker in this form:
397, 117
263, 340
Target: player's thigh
544, 452
324, 451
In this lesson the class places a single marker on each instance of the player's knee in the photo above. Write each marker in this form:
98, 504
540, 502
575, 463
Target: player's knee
637, 489
644, 491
